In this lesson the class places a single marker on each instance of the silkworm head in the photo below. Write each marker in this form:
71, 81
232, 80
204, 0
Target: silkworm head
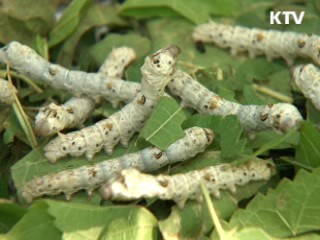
302, 75
209, 135
285, 117
157, 69
49, 120
263, 169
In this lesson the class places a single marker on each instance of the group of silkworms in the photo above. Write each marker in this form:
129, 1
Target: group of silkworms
122, 178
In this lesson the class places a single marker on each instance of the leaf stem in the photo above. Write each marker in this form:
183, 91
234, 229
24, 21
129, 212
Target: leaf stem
213, 213
24, 78
272, 93
286, 159
22, 117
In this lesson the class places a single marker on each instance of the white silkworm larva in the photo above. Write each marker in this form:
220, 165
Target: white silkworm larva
7, 92
91, 176
120, 126
130, 184
280, 117
272, 43
307, 78
54, 118
26, 61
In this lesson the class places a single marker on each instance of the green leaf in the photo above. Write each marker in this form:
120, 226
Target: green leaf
163, 127
15, 30
252, 97
164, 32
195, 11
290, 210
82, 221
10, 214
68, 22
140, 44
277, 141
95, 15
228, 130
308, 149
35, 224
38, 16
267, 140
13, 129
257, 233
42, 47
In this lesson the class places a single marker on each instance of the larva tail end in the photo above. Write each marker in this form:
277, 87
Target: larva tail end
27, 196
105, 192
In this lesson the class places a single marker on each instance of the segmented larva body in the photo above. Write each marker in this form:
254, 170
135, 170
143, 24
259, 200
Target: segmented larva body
280, 117
117, 61
130, 184
92, 176
26, 61
120, 126
7, 92
272, 43
54, 118
307, 78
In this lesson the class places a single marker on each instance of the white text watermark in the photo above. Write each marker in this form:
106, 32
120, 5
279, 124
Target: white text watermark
288, 16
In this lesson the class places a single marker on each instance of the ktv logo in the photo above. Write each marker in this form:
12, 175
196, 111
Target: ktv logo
288, 17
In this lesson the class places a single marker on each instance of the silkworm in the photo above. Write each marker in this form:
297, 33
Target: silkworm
120, 126
117, 61
54, 118
280, 117
90, 177
307, 78
272, 43
26, 61
130, 184
7, 92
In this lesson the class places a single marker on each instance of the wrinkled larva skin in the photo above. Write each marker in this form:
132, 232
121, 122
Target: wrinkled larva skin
130, 184
271, 43
90, 177
117, 61
280, 117
307, 78
122, 125
54, 118
26, 61
7, 92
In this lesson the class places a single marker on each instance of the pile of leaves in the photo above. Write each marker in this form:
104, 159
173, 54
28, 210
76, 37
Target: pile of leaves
286, 207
